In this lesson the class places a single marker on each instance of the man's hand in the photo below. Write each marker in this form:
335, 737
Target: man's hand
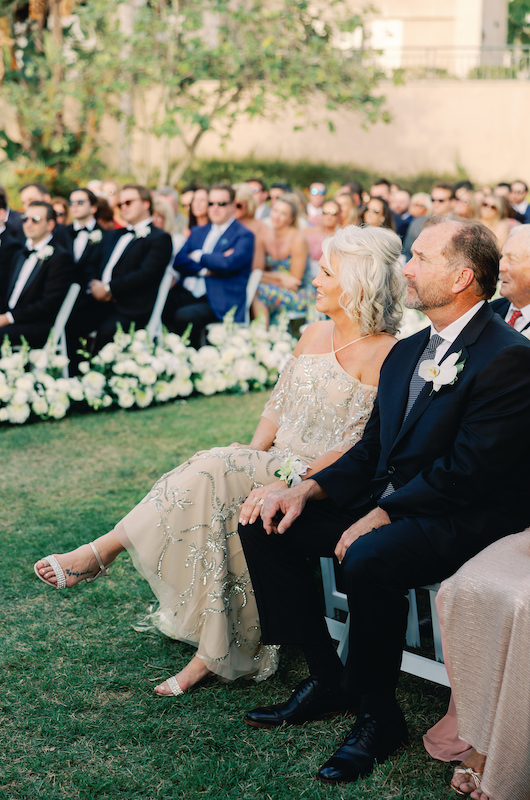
250, 510
4, 320
99, 291
375, 519
289, 503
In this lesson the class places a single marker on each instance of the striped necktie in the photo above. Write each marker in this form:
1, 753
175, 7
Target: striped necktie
417, 383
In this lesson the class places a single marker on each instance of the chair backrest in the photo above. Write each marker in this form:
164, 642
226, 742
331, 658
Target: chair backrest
64, 314
252, 287
154, 326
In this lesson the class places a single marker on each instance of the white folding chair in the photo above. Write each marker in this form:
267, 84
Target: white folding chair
252, 287
154, 326
58, 330
336, 601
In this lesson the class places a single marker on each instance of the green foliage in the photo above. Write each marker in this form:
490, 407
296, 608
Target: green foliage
519, 22
301, 174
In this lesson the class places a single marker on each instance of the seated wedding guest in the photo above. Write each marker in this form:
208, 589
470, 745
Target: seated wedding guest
37, 192
493, 216
317, 194
518, 199
37, 280
278, 189
349, 213
484, 611
111, 191
355, 190
198, 208
11, 219
420, 204
245, 208
400, 207
105, 214
434, 480
465, 206
183, 536
170, 195
283, 253
514, 274
259, 190
86, 235
8, 242
125, 283
164, 218
378, 214
315, 235
214, 265
60, 206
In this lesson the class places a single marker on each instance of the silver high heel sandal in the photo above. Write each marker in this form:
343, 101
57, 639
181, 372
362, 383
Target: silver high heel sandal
59, 574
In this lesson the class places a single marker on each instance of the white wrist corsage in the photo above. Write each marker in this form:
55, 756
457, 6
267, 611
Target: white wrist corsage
95, 236
291, 471
46, 252
442, 374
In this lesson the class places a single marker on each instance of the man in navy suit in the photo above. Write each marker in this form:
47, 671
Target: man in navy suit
36, 280
514, 305
124, 285
214, 265
518, 195
441, 472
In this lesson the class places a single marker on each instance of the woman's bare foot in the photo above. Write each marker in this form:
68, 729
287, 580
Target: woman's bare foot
463, 783
193, 673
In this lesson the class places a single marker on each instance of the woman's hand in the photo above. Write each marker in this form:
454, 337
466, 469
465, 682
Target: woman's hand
250, 510
288, 281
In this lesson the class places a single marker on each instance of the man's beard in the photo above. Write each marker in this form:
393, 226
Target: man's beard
431, 297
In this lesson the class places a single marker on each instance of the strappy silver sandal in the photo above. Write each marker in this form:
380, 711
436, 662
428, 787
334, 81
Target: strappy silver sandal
174, 686
59, 574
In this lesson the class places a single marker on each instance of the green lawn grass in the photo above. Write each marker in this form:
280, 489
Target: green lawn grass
78, 716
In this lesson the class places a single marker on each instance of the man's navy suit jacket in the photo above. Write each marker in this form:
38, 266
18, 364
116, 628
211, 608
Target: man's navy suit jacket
226, 286
459, 462
501, 306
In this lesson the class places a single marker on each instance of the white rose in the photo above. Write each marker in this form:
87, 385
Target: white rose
206, 385
144, 397
75, 389
163, 391
57, 409
84, 367
126, 399
106, 400
108, 353
5, 393
25, 382
244, 369
147, 376
182, 387
141, 335
4, 415
39, 358
20, 397
17, 413
58, 362
40, 406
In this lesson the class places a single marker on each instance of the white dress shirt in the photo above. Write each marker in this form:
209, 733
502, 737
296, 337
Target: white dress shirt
452, 331
520, 322
125, 239
196, 283
81, 240
27, 268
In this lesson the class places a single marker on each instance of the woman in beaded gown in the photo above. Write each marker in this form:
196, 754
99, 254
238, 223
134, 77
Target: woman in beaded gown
183, 536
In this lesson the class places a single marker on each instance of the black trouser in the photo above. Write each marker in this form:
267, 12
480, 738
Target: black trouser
34, 333
183, 308
379, 568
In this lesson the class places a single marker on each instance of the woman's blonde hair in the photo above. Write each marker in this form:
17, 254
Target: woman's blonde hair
366, 262
244, 194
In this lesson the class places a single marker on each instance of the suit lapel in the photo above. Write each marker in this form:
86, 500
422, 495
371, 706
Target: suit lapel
466, 338
400, 382
15, 272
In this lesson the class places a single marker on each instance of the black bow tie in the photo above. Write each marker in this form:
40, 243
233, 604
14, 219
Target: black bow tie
28, 251
80, 230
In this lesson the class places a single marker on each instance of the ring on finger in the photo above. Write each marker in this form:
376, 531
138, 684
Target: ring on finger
260, 502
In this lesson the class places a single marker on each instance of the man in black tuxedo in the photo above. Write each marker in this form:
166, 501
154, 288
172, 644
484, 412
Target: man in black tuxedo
514, 272
35, 193
124, 285
85, 234
12, 220
8, 242
441, 472
37, 280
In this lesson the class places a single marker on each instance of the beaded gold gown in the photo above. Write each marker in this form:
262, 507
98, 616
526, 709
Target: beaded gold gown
182, 537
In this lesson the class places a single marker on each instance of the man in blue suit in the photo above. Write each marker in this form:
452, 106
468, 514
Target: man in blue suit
214, 265
441, 472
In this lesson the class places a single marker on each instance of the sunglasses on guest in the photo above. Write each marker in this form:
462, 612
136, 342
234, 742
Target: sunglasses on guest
220, 203
25, 218
317, 191
126, 203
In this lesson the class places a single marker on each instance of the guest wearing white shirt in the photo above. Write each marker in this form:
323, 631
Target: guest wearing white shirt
37, 280
214, 265
514, 274
85, 233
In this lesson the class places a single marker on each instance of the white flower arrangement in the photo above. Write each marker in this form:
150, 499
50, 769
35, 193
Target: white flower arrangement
132, 371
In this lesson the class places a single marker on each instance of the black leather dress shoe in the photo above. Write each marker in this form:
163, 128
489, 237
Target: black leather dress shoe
370, 740
309, 700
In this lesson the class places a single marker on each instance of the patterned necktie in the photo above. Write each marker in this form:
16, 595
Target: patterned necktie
417, 383
515, 316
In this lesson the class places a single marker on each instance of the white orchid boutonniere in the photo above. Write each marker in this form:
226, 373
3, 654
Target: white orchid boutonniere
95, 236
291, 471
141, 234
46, 252
442, 374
